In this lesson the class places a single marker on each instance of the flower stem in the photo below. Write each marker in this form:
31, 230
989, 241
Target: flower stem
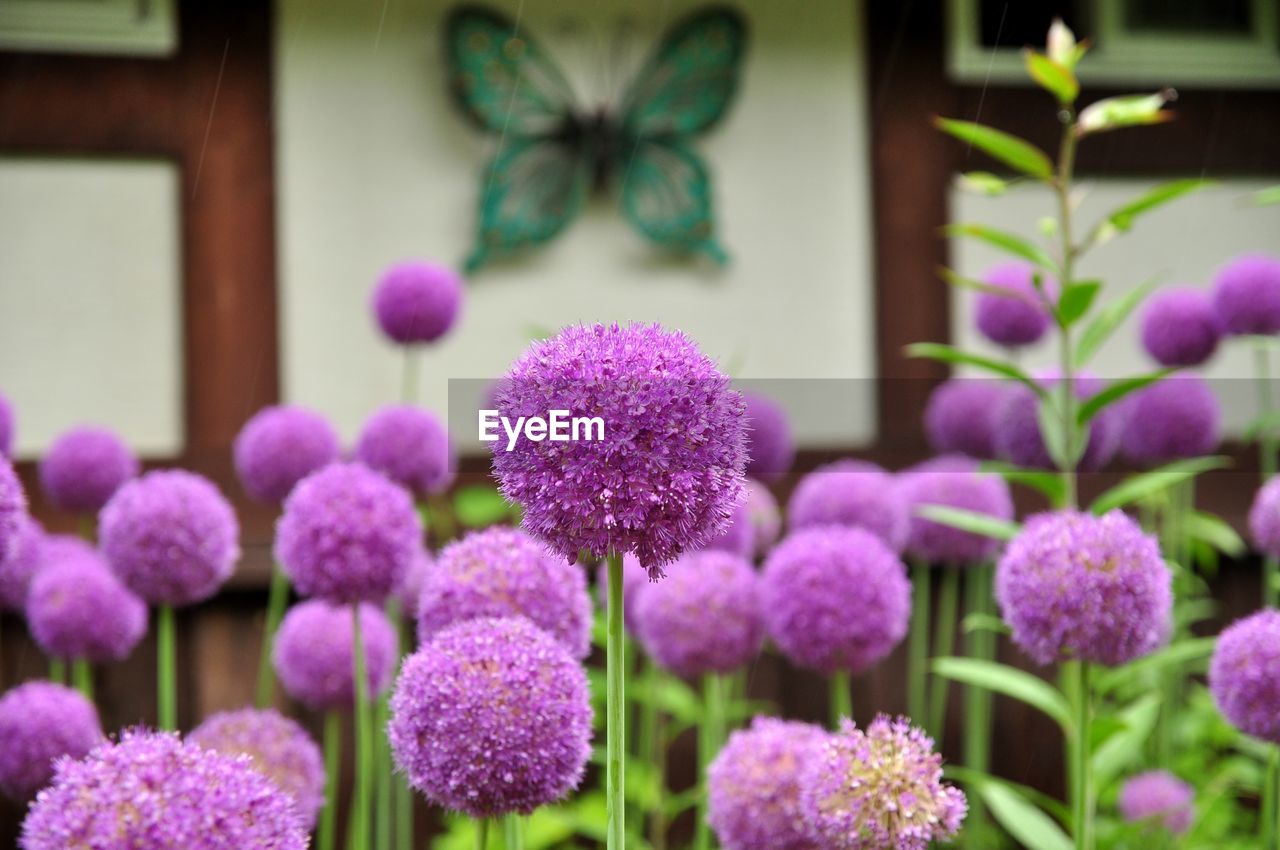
512, 832
440, 513
332, 763
364, 734
403, 793
709, 736
166, 669
615, 706
918, 643
482, 834
841, 698
944, 640
1267, 451
409, 376
1082, 799
57, 671
82, 676
980, 644
1268, 827
277, 598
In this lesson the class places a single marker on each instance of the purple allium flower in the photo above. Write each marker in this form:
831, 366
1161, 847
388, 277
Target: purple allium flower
39, 722
1074, 585
753, 786
503, 572
408, 445
84, 467
880, 789
635, 579
278, 447
1019, 318
77, 608
835, 598
669, 470
1246, 295
57, 548
347, 534
1180, 327
492, 716
970, 490
1264, 518
279, 748
770, 444
416, 301
13, 506
410, 588
1158, 796
765, 516
1177, 417
851, 493
1244, 675
6, 427
739, 537
313, 653
170, 536
152, 790
962, 415
26, 556
705, 617
1018, 438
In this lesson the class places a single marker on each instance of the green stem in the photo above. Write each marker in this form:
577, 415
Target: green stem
409, 376
442, 527
943, 646
277, 599
659, 822
918, 643
979, 644
1267, 451
57, 671
710, 732
404, 802
1269, 829
364, 734
1069, 250
482, 834
841, 697
1083, 796
513, 832
615, 705
82, 676
332, 763
166, 669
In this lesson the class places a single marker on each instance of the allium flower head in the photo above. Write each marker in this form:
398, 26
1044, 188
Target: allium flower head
1074, 585
851, 493
1180, 327
635, 579
880, 789
1264, 518
770, 443
1244, 675
967, 489
704, 617
1019, 318
170, 536
39, 723
13, 506
503, 572
77, 608
408, 445
739, 537
410, 588
278, 447
84, 467
668, 472
1018, 437
313, 653
152, 790
279, 748
1177, 417
492, 716
24, 559
1158, 797
347, 534
835, 598
765, 516
962, 414
1246, 295
6, 426
416, 302
753, 786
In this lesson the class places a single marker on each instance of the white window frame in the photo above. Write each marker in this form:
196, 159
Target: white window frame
111, 27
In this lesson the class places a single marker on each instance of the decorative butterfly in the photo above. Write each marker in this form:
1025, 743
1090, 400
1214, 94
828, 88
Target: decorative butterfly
552, 153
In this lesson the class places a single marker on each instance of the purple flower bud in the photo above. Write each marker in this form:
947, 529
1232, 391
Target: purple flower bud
40, 722
770, 444
313, 653
78, 609
1178, 417
408, 445
278, 447
962, 414
1244, 675
417, 302
1158, 797
1019, 318
84, 467
1180, 327
851, 493
1246, 295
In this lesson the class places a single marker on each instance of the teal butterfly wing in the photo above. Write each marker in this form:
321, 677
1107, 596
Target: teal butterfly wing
505, 83
684, 89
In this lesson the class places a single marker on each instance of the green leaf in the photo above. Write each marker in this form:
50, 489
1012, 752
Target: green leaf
1049, 419
1075, 301
1264, 424
971, 521
979, 622
1122, 219
1268, 196
1061, 45
1108, 319
1053, 77
983, 183
949, 354
1183, 652
1016, 153
1130, 110
1217, 533
480, 505
959, 281
1115, 391
1027, 824
974, 778
1011, 682
1005, 241
1125, 746
1147, 483
1050, 484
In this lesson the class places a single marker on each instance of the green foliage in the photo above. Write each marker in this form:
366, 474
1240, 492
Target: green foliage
1004, 241
1104, 324
1132, 110
971, 521
1016, 153
955, 356
1010, 681
1144, 484
481, 505
1075, 301
1116, 391
1052, 76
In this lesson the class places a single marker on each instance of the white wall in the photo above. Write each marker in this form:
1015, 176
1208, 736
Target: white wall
90, 299
375, 165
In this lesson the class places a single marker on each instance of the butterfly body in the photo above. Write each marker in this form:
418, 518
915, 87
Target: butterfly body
553, 153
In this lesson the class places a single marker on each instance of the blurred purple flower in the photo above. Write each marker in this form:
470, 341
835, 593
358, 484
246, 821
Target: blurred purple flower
968, 489
851, 493
1244, 675
408, 445
770, 443
1177, 417
25, 558
39, 723
84, 467
962, 414
1246, 295
278, 447
1018, 437
1158, 796
1019, 318
416, 301
78, 609
313, 653
1180, 327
